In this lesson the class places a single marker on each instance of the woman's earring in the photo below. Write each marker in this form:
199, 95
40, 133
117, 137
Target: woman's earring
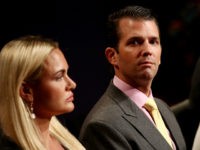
32, 113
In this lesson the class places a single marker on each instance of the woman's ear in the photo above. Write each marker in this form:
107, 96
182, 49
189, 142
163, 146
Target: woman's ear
26, 92
111, 55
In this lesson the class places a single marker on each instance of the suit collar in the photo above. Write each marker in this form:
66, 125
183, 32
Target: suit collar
137, 118
170, 122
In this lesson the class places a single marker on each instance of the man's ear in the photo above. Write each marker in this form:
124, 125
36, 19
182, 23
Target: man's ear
25, 92
111, 55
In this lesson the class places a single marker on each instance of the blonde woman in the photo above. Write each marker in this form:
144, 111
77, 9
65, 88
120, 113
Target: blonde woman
34, 88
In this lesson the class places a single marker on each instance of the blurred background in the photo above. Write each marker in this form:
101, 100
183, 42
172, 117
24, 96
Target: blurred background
79, 27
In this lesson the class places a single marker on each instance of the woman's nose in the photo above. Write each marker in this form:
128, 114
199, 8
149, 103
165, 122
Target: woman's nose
70, 83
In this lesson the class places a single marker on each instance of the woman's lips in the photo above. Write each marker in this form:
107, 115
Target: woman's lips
70, 98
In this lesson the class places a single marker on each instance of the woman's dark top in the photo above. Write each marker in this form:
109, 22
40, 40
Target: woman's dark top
6, 143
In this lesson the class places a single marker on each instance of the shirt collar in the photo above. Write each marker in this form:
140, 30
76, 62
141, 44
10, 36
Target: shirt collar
138, 97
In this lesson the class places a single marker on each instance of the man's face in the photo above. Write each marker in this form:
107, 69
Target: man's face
139, 51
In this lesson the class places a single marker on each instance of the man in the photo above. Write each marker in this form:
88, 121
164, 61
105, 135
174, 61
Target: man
119, 120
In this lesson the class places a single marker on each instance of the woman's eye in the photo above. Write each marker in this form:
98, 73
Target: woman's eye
59, 77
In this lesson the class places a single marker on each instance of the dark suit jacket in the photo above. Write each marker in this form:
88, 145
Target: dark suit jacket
116, 123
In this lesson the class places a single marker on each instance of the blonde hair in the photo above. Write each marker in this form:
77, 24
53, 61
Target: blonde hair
22, 60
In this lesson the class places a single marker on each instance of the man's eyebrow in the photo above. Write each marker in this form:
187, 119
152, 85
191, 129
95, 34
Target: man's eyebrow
134, 38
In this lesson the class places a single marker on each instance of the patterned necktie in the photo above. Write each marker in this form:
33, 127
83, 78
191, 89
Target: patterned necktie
152, 108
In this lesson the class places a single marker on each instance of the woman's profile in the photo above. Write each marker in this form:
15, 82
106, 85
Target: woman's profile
34, 88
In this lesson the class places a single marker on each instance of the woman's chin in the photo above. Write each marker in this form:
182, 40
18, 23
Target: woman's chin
70, 107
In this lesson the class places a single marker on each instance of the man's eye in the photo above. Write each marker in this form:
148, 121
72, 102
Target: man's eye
154, 41
135, 42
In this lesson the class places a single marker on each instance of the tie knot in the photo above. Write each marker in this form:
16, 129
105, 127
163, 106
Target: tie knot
150, 105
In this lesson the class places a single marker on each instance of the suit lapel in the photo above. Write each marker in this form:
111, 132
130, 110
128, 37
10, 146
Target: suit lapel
170, 122
139, 121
